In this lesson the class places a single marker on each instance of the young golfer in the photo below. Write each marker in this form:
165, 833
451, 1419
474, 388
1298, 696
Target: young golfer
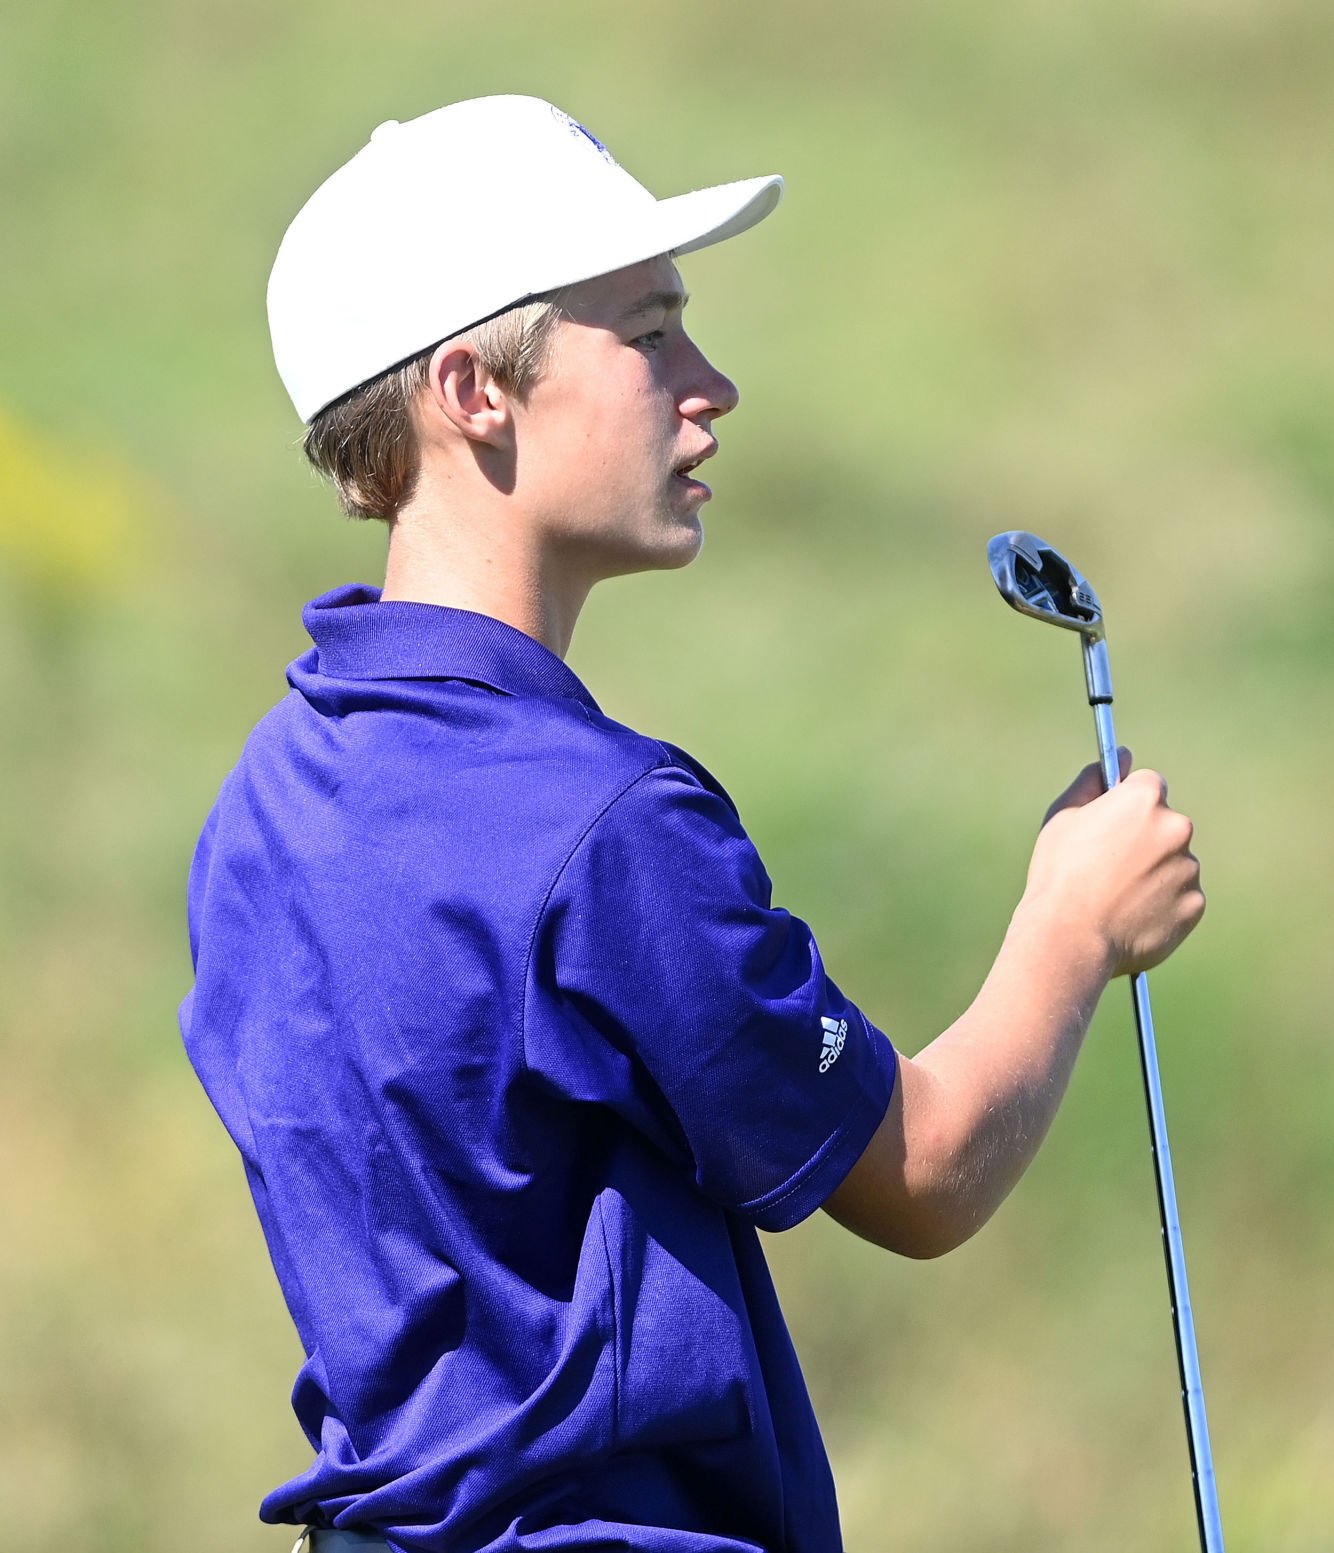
490, 991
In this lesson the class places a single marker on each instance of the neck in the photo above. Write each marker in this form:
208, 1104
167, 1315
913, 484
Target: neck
477, 560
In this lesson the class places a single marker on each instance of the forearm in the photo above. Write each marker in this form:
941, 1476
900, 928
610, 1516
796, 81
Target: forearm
991, 1084
972, 1108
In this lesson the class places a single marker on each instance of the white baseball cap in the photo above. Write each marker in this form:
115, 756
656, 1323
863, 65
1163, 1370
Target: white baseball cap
442, 222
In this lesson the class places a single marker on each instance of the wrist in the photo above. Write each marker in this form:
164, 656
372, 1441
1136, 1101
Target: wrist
1063, 940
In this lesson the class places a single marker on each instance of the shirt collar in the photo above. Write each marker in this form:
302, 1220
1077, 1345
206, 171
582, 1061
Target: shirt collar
358, 636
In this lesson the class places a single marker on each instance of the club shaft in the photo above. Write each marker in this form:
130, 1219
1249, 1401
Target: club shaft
1183, 1322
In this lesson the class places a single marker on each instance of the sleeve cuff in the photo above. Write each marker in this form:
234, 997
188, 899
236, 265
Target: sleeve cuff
801, 1194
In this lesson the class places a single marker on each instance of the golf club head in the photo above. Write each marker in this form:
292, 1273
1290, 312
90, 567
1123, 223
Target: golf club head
1038, 581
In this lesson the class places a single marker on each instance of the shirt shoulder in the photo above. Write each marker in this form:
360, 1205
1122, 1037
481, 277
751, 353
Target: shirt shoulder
536, 756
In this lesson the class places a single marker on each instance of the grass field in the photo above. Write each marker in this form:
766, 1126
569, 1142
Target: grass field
1054, 267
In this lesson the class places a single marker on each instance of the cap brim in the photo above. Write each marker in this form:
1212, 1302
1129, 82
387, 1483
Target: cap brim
708, 216
682, 224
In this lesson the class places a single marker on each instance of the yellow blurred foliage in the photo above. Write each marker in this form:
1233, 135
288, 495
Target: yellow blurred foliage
70, 518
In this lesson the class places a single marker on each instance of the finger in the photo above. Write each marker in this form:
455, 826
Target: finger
1146, 778
1087, 786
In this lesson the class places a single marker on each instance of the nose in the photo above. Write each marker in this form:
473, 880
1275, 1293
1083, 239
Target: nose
710, 392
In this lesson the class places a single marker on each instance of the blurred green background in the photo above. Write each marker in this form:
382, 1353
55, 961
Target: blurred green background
1050, 266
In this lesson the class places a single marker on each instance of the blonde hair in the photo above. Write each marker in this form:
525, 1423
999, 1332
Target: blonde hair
366, 443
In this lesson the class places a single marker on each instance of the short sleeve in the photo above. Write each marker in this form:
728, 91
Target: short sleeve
665, 949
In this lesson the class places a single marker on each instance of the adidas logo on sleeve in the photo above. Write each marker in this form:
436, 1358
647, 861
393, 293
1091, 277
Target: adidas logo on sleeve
835, 1034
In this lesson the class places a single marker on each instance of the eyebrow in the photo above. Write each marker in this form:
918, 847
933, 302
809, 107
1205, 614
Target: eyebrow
666, 301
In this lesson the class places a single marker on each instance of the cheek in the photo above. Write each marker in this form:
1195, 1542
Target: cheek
634, 434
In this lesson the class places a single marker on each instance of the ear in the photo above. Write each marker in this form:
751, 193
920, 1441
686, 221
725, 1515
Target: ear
466, 395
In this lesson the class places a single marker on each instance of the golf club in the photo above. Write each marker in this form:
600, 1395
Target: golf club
1036, 580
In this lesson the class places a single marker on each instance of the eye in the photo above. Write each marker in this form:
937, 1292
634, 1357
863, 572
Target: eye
648, 341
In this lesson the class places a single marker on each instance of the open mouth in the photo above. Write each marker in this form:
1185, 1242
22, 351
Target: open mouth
686, 478
685, 472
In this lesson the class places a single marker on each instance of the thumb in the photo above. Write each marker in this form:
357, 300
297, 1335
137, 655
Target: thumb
1088, 785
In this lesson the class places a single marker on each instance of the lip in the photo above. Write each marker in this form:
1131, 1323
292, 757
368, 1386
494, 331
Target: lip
696, 488
684, 469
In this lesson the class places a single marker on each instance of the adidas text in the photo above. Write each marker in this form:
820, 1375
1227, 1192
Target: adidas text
835, 1034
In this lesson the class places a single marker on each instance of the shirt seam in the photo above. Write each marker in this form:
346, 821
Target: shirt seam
665, 763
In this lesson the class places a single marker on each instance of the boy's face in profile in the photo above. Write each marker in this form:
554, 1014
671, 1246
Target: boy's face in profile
607, 440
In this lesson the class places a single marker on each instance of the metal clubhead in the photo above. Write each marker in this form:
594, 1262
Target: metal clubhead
1038, 581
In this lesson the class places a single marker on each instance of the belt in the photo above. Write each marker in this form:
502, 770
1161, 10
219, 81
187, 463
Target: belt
319, 1539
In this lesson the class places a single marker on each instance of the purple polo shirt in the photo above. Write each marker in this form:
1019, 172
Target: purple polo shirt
492, 999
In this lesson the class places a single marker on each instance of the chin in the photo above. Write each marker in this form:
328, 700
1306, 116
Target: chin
682, 554
666, 551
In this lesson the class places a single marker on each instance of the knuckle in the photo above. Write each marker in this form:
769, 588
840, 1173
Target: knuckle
1149, 783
